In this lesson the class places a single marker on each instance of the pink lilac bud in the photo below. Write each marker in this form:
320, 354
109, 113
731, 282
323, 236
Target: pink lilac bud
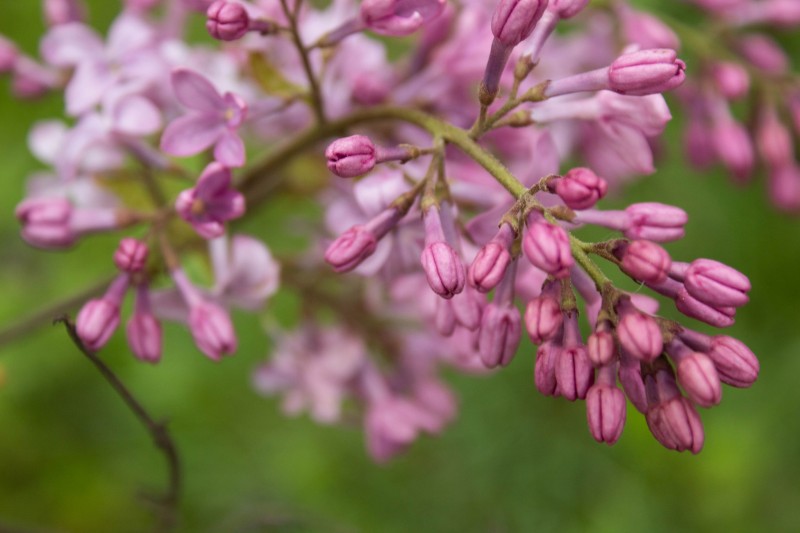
490, 264
144, 329
547, 247
735, 363
734, 148
544, 372
605, 407
211, 203
8, 55
638, 333
764, 53
566, 9
98, 318
774, 141
46, 222
698, 144
501, 325
721, 317
514, 20
574, 372
784, 187
442, 264
351, 156
644, 260
57, 12
696, 374
672, 418
630, 376
646, 30
580, 188
399, 17
212, 329
227, 21
351, 248
716, 284
601, 347
468, 308
131, 255
543, 316
445, 317
646, 72
731, 79
655, 222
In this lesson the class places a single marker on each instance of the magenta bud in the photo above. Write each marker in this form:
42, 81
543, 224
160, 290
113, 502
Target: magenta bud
765, 53
774, 141
399, 17
716, 284
144, 337
566, 8
735, 363
351, 248
580, 188
672, 419
646, 72
605, 410
547, 247
443, 269
734, 148
212, 329
227, 21
601, 348
731, 79
57, 12
96, 322
46, 222
645, 261
131, 255
8, 55
444, 317
639, 334
514, 20
698, 377
544, 372
352, 156
721, 317
468, 308
630, 376
654, 221
574, 372
543, 319
499, 335
490, 264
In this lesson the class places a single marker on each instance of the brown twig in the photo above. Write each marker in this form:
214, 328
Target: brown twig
168, 504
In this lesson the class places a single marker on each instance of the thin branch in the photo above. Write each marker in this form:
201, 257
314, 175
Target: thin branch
316, 94
159, 432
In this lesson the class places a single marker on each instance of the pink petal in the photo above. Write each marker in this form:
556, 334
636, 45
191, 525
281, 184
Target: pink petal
46, 139
68, 45
191, 134
129, 34
230, 150
87, 86
136, 115
196, 92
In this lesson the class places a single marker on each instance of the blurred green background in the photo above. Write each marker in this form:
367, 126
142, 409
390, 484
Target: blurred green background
73, 458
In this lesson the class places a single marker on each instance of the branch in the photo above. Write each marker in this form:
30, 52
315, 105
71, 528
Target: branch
158, 431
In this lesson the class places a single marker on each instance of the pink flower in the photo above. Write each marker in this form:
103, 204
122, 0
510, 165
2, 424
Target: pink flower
213, 121
210, 203
399, 17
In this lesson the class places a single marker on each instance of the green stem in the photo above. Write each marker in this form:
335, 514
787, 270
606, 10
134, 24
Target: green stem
316, 95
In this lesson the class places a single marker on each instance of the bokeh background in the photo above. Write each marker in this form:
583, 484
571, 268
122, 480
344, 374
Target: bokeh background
73, 458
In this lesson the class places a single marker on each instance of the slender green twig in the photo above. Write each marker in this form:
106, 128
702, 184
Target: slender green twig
316, 94
168, 504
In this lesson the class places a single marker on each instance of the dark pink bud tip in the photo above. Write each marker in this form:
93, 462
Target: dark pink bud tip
543, 318
645, 261
605, 412
351, 248
131, 255
580, 188
444, 269
716, 284
646, 72
514, 20
351, 156
227, 21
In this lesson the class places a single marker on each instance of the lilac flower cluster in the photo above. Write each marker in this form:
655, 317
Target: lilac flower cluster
456, 211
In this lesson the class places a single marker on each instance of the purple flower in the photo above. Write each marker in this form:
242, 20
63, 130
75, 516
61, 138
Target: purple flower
213, 121
210, 203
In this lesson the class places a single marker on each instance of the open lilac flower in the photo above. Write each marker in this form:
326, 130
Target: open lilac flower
211, 203
213, 121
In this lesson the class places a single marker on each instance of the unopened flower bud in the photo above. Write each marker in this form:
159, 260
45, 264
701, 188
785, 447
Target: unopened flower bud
716, 284
351, 248
580, 188
566, 9
352, 156
630, 376
735, 363
443, 269
644, 260
514, 20
98, 318
8, 55
543, 318
601, 347
639, 334
655, 222
57, 12
544, 372
672, 419
547, 247
763, 52
212, 329
574, 371
144, 330
696, 374
399, 17
491, 262
605, 408
731, 79
721, 317
46, 222
646, 72
774, 141
499, 334
131, 255
734, 148
227, 21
